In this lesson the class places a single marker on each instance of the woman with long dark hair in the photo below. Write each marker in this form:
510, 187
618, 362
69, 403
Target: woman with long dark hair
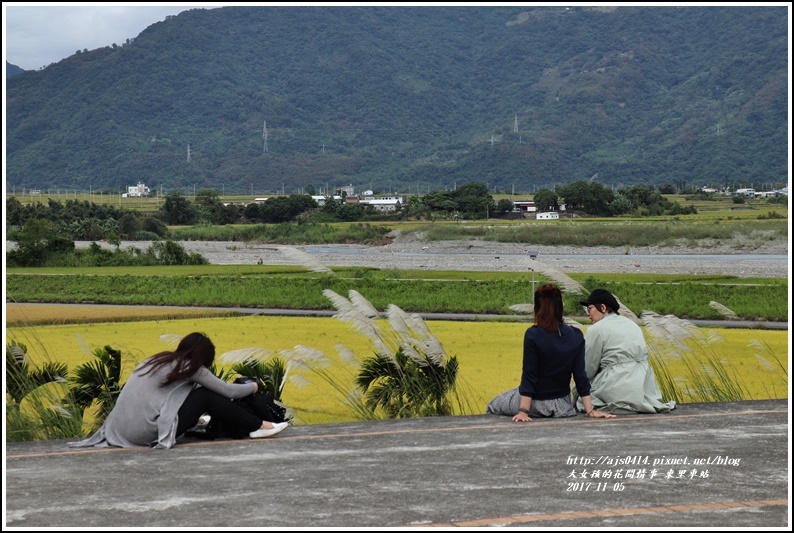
166, 395
553, 352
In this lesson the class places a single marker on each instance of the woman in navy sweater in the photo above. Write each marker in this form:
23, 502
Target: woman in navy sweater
553, 352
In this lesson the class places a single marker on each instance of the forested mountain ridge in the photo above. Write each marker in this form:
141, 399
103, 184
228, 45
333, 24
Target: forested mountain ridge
13, 70
412, 99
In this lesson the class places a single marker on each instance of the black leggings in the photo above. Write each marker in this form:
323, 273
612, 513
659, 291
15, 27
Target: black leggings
202, 400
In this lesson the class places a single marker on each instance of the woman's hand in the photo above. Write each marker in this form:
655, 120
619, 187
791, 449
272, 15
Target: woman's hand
256, 387
595, 413
522, 417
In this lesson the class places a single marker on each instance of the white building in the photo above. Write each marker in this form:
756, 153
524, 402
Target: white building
348, 190
551, 215
137, 190
321, 199
383, 204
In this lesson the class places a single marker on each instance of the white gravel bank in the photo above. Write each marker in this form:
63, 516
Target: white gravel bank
741, 259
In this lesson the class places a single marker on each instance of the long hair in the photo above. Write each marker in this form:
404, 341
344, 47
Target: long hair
548, 307
194, 351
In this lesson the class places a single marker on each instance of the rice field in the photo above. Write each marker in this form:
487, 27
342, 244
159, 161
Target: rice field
489, 353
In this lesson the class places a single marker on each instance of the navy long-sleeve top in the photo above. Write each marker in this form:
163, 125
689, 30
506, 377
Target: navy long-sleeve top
549, 361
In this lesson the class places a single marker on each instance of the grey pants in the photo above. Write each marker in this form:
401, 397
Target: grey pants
508, 402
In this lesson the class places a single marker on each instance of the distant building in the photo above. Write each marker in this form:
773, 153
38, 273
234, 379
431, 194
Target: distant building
321, 199
385, 205
137, 190
552, 215
348, 190
260, 200
524, 206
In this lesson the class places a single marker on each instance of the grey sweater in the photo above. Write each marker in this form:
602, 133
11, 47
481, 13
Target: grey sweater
145, 414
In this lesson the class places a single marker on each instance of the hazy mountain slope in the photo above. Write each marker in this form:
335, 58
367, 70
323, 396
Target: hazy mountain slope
13, 70
419, 97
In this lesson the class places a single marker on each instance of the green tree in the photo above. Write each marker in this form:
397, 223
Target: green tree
270, 372
211, 210
406, 387
546, 200
36, 243
178, 210
154, 225
129, 225
21, 378
473, 200
504, 206
47, 416
98, 380
621, 204
410, 374
589, 196
169, 252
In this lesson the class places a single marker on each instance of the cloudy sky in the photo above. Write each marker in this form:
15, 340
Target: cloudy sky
36, 34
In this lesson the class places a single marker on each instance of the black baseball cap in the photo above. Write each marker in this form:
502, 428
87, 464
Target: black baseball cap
602, 296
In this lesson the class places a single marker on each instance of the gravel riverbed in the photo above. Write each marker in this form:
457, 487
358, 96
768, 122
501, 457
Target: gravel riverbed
741, 258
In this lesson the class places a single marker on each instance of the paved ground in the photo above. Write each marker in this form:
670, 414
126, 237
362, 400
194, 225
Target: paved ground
718, 465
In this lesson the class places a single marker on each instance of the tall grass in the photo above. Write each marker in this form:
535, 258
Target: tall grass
286, 233
775, 368
613, 233
688, 366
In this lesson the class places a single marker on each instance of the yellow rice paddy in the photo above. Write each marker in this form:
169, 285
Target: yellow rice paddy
489, 353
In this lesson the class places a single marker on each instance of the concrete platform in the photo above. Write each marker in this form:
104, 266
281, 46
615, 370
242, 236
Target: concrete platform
721, 465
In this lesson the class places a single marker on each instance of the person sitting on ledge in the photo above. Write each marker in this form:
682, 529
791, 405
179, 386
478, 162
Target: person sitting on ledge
168, 392
617, 361
553, 352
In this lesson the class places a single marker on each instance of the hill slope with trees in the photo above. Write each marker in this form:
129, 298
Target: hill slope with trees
412, 99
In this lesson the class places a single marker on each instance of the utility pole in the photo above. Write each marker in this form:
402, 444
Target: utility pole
188, 153
264, 136
515, 124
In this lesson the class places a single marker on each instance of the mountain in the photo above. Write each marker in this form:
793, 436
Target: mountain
13, 70
413, 99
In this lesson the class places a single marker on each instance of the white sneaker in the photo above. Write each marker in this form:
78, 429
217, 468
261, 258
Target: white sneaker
269, 432
202, 424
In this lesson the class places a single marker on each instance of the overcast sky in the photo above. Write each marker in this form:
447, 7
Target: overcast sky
35, 34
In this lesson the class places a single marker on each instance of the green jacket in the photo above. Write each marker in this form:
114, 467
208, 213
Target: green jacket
617, 364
